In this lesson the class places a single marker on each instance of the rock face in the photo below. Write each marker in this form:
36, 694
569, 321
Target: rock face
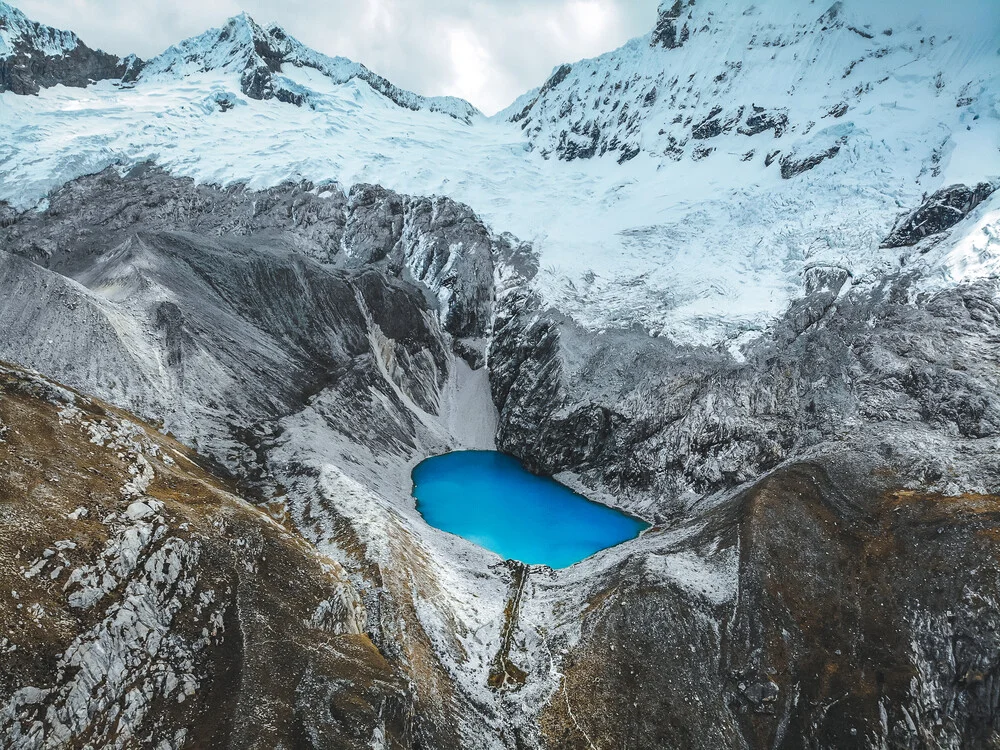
848, 625
941, 211
300, 312
33, 56
825, 496
717, 423
738, 75
246, 322
671, 31
146, 605
792, 165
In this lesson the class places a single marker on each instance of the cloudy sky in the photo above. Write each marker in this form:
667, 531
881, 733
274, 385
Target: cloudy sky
486, 51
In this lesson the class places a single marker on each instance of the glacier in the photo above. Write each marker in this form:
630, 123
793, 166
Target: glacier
701, 249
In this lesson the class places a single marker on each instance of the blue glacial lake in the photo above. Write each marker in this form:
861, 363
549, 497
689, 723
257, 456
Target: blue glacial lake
490, 499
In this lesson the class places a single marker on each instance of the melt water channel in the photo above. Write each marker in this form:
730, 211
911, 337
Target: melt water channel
490, 499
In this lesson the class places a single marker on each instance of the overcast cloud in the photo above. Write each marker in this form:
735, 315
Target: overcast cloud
486, 51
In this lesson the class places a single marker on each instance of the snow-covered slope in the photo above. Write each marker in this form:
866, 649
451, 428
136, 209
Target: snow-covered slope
704, 236
753, 80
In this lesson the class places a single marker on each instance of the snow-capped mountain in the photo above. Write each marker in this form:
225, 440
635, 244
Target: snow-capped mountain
779, 137
781, 83
269, 61
16, 30
739, 278
33, 56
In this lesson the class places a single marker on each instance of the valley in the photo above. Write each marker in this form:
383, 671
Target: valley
789, 368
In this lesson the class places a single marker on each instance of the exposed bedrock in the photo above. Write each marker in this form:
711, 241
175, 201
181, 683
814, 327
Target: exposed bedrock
146, 605
670, 31
201, 306
820, 609
822, 571
27, 71
246, 323
37, 56
658, 426
942, 210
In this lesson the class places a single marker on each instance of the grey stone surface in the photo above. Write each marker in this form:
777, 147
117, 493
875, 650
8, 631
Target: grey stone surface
822, 570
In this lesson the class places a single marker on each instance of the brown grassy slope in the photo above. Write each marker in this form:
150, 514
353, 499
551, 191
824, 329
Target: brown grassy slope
864, 616
173, 612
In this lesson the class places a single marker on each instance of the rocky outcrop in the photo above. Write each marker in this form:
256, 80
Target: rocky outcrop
941, 211
34, 56
670, 31
147, 605
704, 423
792, 164
27, 72
761, 120
821, 608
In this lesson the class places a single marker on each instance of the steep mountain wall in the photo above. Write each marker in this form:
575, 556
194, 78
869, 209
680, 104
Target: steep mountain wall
34, 56
301, 337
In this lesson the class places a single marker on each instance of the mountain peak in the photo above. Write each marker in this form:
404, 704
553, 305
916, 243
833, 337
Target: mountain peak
36, 56
259, 54
231, 46
17, 30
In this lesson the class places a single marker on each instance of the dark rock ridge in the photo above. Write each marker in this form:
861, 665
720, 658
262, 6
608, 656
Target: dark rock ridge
251, 308
860, 616
667, 34
38, 56
792, 165
941, 211
270, 298
836, 367
838, 585
761, 120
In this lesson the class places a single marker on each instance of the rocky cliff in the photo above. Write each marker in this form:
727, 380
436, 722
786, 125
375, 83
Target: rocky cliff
34, 56
824, 501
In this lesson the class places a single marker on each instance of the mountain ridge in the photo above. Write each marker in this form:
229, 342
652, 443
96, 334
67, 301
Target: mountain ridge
258, 54
34, 56
775, 67
713, 197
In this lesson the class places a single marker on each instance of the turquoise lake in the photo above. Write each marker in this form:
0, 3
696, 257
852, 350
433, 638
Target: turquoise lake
490, 499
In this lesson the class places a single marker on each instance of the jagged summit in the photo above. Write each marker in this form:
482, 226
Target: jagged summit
238, 44
17, 29
260, 55
35, 56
